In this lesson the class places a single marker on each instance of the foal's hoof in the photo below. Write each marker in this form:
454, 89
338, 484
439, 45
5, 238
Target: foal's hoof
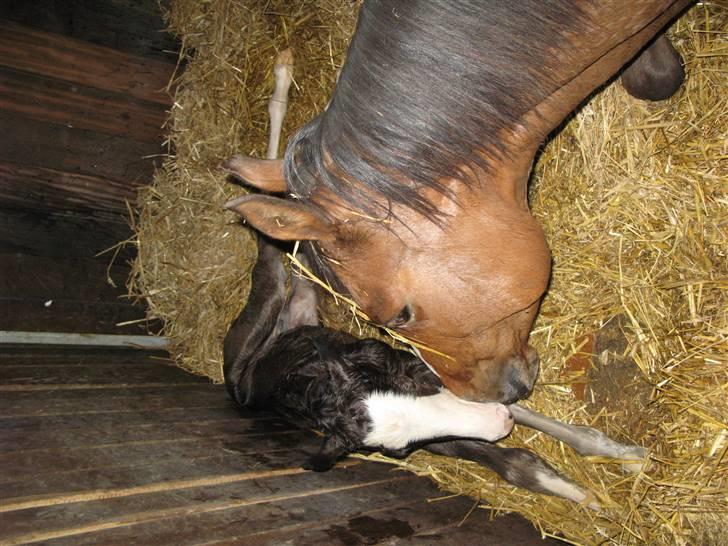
318, 463
591, 502
634, 459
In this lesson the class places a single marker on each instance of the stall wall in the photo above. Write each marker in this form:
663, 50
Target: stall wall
82, 103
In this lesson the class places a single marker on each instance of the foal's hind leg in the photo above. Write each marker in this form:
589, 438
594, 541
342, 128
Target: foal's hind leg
519, 467
585, 440
255, 328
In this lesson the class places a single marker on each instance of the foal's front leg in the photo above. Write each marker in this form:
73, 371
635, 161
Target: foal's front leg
585, 440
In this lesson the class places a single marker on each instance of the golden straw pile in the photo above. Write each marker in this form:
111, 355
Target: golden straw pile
194, 260
634, 200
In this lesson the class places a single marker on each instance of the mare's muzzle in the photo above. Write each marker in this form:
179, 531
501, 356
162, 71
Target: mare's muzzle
518, 376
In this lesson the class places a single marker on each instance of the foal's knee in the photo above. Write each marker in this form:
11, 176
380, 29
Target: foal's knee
656, 74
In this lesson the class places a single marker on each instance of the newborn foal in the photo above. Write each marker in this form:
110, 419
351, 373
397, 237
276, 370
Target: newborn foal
363, 394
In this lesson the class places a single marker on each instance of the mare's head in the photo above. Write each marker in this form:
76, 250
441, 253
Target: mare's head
411, 187
466, 282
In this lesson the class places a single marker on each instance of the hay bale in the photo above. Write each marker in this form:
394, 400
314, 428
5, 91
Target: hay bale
634, 200
194, 260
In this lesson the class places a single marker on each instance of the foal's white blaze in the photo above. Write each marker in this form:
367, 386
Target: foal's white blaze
398, 420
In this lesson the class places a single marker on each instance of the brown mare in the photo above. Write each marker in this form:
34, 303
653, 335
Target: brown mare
411, 188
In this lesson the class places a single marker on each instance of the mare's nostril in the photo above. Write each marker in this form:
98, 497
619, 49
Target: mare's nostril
517, 389
521, 390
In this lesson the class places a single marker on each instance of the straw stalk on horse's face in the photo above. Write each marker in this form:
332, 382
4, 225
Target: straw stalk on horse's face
412, 186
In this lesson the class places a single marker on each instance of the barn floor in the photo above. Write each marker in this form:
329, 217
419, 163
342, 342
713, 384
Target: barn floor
115, 447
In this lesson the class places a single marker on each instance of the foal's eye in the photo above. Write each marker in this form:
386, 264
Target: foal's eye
406, 316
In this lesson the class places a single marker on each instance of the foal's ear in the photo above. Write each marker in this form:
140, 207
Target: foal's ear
264, 174
283, 219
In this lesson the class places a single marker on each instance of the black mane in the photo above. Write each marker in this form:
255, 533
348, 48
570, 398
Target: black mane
428, 84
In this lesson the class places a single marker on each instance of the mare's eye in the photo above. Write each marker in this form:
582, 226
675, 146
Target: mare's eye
406, 315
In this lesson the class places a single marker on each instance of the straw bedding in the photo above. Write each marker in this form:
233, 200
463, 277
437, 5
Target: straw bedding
634, 200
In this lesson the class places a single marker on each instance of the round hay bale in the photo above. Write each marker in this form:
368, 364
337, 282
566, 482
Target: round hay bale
634, 199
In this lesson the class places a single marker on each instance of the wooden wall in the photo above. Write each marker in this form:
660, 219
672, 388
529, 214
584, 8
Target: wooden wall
82, 103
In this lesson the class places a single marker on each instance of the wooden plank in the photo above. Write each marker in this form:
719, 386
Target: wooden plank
76, 485
377, 525
72, 150
66, 103
72, 356
111, 399
248, 506
42, 438
256, 486
110, 420
221, 411
57, 339
52, 277
41, 189
54, 461
99, 22
63, 58
63, 236
129, 374
445, 522
71, 316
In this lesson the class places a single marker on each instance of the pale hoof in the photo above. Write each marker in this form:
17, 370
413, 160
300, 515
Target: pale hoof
635, 459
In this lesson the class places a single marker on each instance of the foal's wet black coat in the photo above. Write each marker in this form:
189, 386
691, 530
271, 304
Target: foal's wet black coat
324, 377
276, 358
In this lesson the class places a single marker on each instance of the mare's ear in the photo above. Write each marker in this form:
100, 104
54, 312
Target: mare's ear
283, 219
264, 174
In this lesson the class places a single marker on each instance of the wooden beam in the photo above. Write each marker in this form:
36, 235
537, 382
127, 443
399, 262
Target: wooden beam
54, 146
63, 235
73, 105
43, 189
132, 26
71, 316
49, 54
93, 340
